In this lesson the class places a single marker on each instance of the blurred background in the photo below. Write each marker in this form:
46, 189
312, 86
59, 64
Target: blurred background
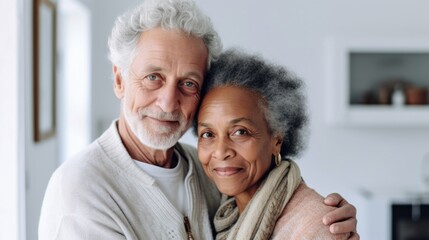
365, 65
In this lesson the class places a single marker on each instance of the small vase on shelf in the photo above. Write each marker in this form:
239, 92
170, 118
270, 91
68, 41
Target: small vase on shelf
398, 96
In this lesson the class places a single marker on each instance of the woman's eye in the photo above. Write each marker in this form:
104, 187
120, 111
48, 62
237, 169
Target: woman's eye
240, 132
206, 135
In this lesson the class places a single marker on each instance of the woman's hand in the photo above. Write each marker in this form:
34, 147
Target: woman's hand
343, 219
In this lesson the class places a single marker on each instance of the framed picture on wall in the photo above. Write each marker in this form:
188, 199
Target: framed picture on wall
44, 74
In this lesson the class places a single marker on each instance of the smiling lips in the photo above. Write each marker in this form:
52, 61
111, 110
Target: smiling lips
162, 121
227, 171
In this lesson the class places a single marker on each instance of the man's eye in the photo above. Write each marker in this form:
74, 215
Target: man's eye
189, 84
152, 81
152, 77
189, 87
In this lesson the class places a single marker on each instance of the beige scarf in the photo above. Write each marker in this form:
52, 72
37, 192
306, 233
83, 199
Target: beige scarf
260, 215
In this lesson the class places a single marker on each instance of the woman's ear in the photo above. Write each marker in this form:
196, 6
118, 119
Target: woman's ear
277, 144
118, 82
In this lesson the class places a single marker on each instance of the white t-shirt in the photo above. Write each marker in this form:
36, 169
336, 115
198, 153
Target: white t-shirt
171, 181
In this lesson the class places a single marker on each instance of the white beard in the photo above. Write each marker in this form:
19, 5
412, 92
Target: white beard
156, 137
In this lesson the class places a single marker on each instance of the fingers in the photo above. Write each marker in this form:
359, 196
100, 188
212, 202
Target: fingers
344, 212
346, 226
334, 200
342, 219
354, 236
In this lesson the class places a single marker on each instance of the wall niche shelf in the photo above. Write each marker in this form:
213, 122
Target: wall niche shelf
377, 81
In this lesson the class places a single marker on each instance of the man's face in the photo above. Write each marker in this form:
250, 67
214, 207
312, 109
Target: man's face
161, 94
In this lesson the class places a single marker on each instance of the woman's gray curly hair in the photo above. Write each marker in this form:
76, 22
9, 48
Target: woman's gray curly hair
282, 95
182, 15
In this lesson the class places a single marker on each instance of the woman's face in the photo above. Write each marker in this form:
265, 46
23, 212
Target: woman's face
234, 143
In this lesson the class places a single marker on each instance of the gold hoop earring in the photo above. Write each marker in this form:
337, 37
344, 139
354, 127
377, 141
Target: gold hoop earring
278, 159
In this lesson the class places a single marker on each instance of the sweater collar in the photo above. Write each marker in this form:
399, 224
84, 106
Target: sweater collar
111, 143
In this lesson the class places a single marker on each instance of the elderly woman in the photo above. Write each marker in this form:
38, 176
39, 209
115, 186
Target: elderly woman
251, 121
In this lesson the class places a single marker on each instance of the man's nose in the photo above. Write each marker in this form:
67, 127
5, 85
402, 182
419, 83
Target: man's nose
168, 98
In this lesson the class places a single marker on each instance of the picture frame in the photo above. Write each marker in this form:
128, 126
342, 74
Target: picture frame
44, 69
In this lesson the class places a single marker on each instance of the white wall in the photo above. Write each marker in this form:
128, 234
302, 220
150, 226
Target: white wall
9, 161
24, 166
41, 158
105, 105
74, 75
292, 33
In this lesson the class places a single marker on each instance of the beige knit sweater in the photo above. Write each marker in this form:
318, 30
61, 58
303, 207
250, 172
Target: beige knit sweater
302, 218
102, 194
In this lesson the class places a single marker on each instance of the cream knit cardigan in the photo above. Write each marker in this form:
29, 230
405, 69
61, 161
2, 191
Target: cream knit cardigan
102, 194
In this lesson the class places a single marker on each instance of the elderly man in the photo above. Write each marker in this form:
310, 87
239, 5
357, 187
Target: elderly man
136, 181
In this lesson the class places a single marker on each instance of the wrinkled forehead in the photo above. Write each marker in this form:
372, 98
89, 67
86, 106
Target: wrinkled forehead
231, 99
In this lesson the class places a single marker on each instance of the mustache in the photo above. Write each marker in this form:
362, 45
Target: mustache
161, 115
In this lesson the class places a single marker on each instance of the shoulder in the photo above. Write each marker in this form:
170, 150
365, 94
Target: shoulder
78, 174
89, 173
303, 215
98, 162
76, 188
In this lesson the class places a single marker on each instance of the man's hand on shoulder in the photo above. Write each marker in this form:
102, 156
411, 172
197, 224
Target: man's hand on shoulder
343, 218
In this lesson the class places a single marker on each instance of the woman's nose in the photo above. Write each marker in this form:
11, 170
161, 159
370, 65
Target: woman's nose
223, 150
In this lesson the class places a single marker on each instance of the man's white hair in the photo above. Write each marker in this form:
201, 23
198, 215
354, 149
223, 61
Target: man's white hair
182, 15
